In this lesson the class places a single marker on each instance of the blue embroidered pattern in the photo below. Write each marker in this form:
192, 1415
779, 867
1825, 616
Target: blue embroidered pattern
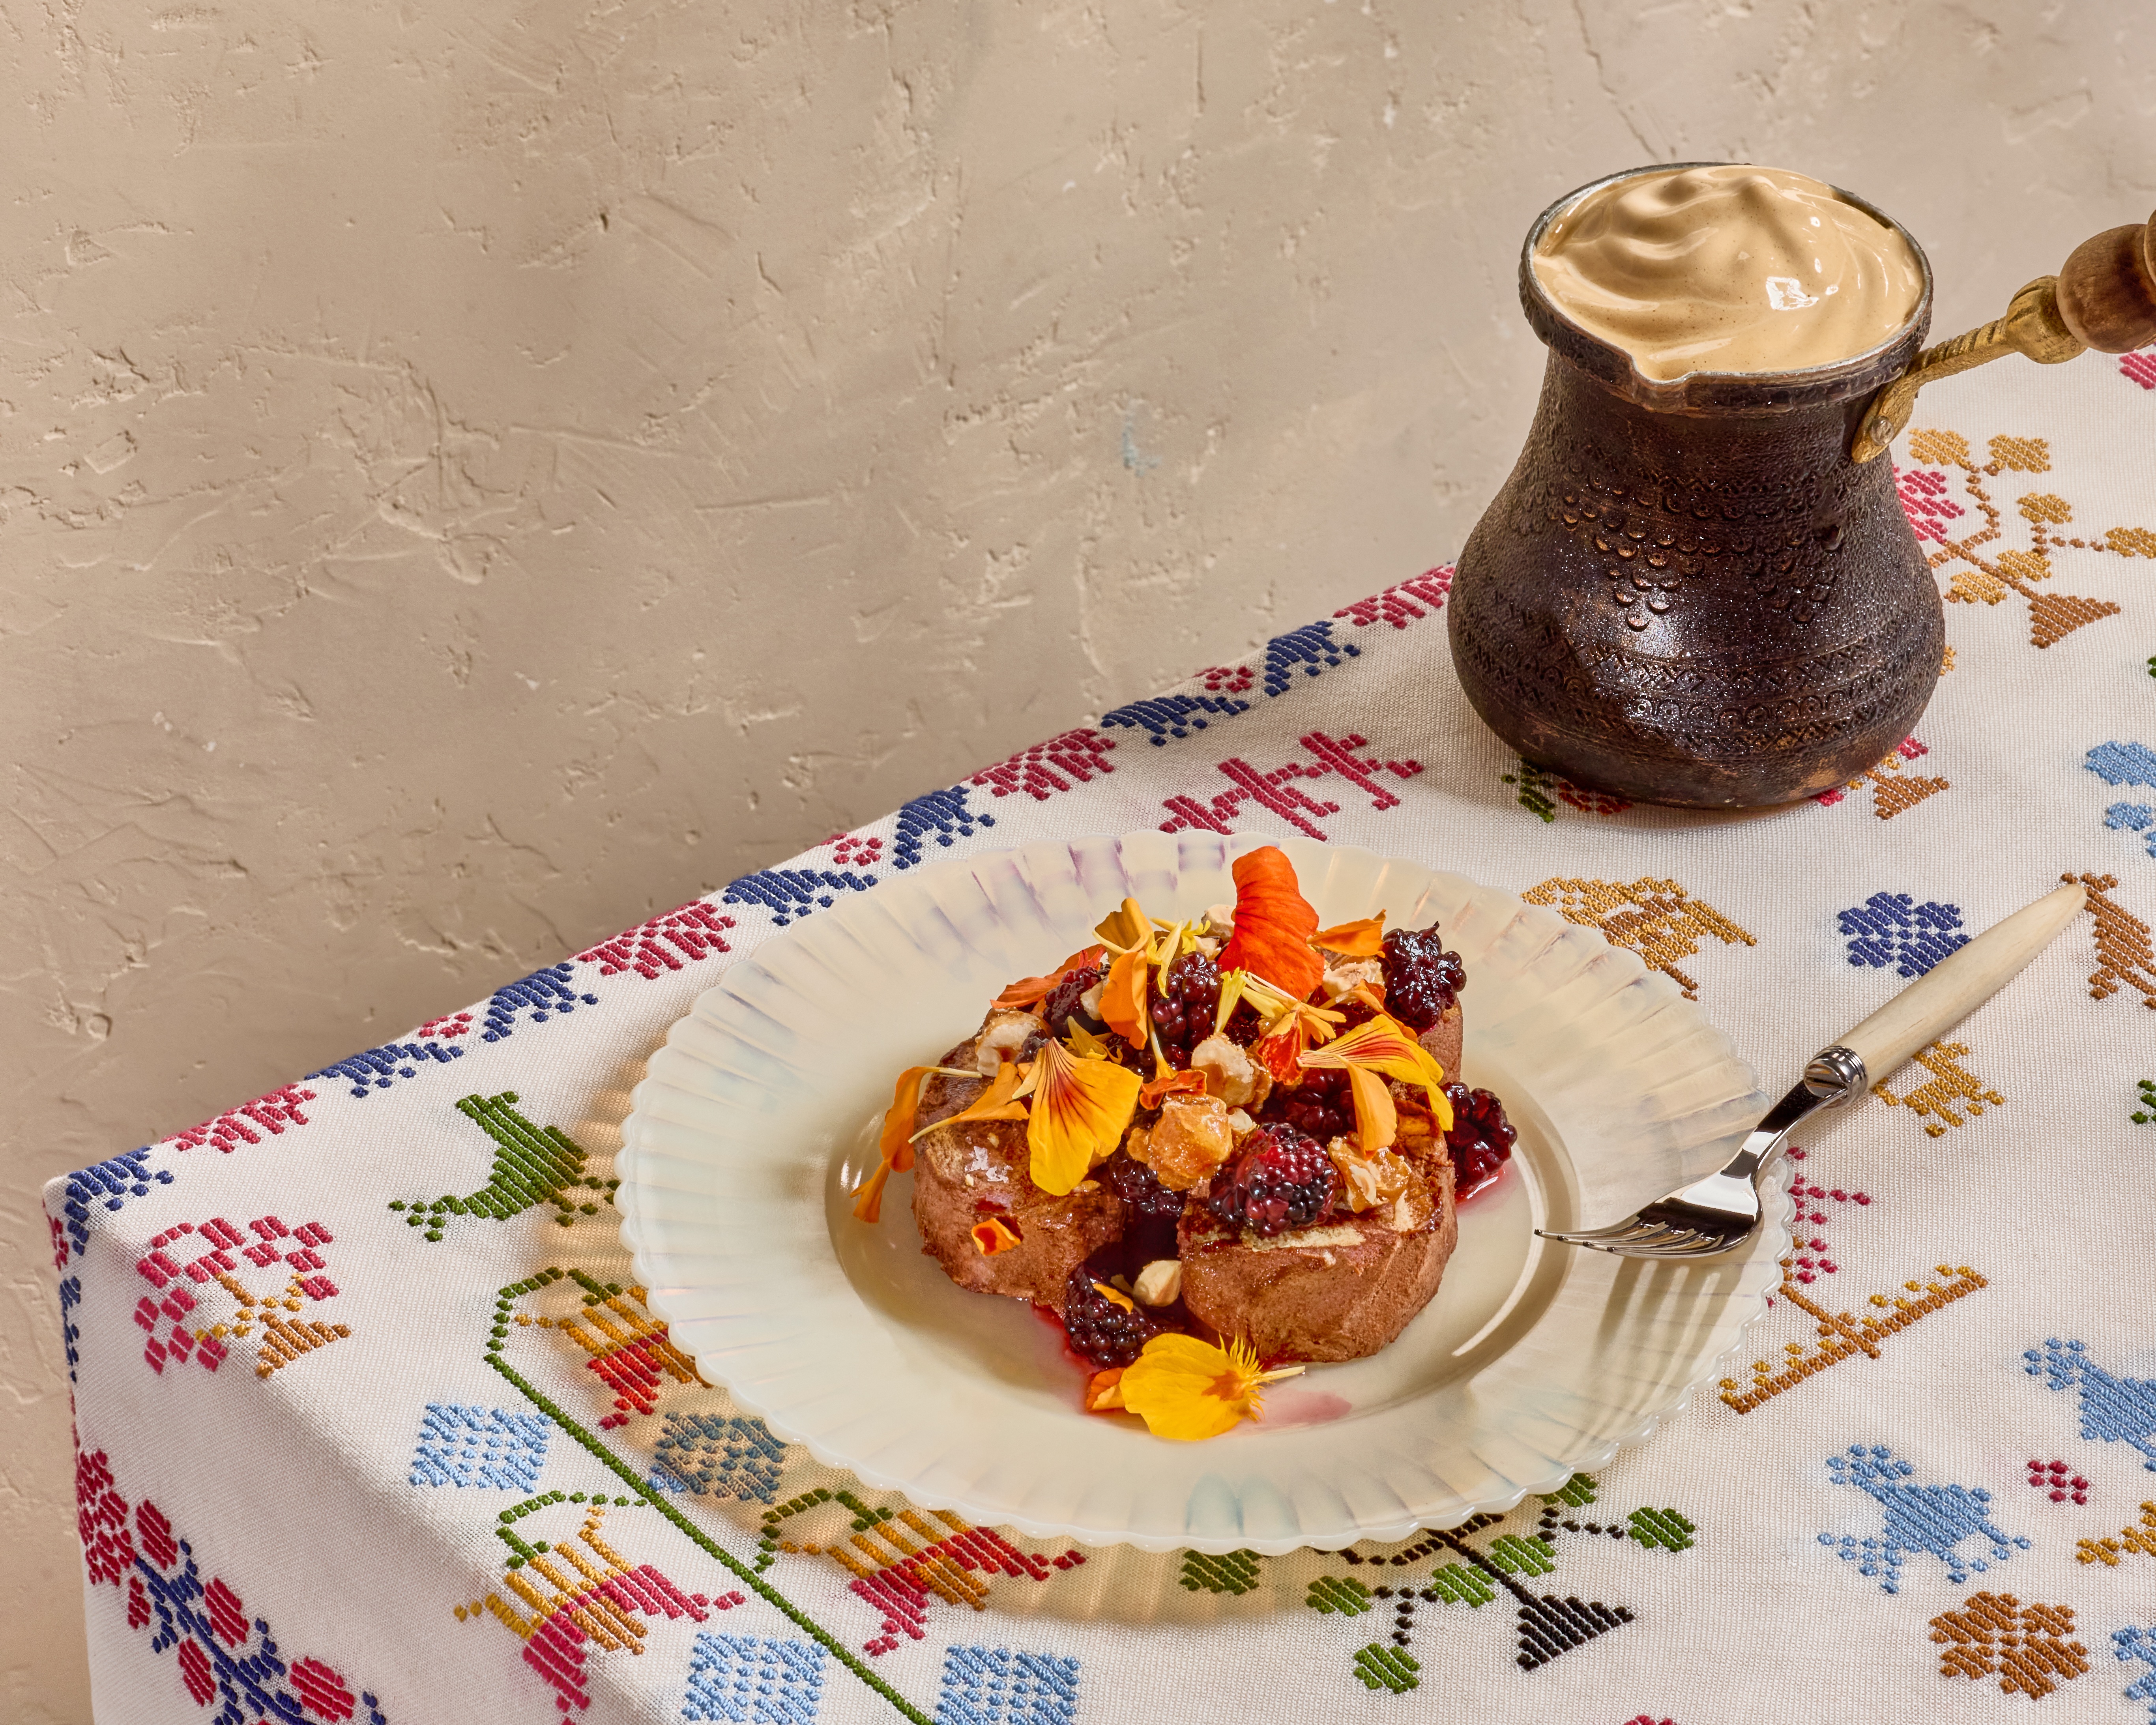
1176, 716
994, 1686
111, 1184
373, 1069
2114, 1411
543, 993
750, 1680
460, 1444
70, 1331
1921, 1521
719, 1456
2132, 818
1310, 649
1891, 928
939, 815
2122, 763
788, 893
2133, 1643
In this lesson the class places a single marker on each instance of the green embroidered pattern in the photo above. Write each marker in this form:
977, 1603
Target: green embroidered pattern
1237, 1573
532, 1165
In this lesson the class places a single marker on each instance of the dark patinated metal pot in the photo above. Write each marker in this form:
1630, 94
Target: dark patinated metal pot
1687, 593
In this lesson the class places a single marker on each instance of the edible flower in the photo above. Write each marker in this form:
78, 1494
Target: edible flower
1162, 1086
1028, 989
1126, 928
1104, 1390
1284, 1041
1384, 1045
1080, 1110
994, 1236
1188, 1389
999, 1101
1362, 939
895, 1146
1377, 1121
1085, 1043
1273, 923
1123, 997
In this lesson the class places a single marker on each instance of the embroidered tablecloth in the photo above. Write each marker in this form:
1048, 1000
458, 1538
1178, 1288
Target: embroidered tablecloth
372, 1424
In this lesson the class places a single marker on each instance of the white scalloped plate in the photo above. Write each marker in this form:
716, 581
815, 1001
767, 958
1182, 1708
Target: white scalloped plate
759, 1117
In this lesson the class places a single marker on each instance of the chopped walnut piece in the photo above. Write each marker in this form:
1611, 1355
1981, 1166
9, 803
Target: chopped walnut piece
1192, 1138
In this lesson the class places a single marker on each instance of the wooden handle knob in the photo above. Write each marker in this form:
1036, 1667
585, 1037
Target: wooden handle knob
2108, 290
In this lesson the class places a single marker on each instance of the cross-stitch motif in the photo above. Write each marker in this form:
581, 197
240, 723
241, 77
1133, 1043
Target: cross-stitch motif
244, 1125
1657, 919
627, 1348
1981, 579
941, 815
1841, 1337
1237, 1573
173, 1261
995, 1685
1543, 793
1921, 1521
373, 1069
1163, 716
2135, 1643
1547, 1624
460, 1444
1949, 1086
1406, 603
681, 936
1335, 757
788, 893
1894, 791
2140, 367
2134, 1537
1074, 758
2114, 1411
2024, 1646
595, 1599
2126, 956
719, 1456
2058, 1481
532, 1165
1891, 928
2122, 763
109, 1185
754, 1680
222, 1654
1310, 649
2145, 1115
2134, 818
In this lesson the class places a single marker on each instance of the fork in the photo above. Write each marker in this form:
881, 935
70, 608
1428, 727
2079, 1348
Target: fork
1722, 1212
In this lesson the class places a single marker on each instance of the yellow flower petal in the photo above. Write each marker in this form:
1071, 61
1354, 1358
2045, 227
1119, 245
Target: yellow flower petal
1386, 1045
1127, 928
1187, 1389
1080, 1110
997, 1102
1377, 1121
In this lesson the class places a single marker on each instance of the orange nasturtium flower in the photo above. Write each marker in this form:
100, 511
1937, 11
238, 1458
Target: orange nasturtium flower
1164, 1084
895, 1146
1385, 1045
1273, 923
1298, 1026
1123, 998
1080, 1110
1363, 939
1377, 1121
997, 1102
1187, 1389
994, 1236
1028, 989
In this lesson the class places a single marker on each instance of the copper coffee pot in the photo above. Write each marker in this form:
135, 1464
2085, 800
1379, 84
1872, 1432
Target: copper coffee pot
1704, 591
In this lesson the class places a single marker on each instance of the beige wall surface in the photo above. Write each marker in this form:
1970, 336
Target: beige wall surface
473, 474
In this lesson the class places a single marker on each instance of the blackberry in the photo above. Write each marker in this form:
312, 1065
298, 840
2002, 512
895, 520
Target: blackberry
1422, 979
1183, 1017
1062, 1001
1280, 1180
1099, 1328
1149, 1228
1481, 1139
1320, 1107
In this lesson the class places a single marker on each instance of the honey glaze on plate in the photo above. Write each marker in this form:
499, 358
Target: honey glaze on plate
1498, 1280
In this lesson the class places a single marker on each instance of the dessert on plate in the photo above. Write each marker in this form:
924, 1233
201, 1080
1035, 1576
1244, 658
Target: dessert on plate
1212, 1150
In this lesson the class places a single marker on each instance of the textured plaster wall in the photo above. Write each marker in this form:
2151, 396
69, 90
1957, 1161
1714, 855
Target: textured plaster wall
473, 473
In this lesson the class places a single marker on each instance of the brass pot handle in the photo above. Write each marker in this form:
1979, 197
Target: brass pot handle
2104, 298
